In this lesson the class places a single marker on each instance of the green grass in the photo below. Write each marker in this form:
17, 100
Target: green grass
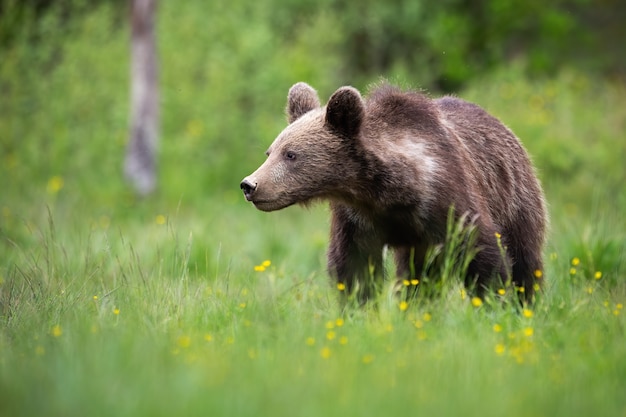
110, 305
103, 323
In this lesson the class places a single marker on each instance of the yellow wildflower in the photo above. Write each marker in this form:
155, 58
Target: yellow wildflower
497, 328
57, 331
266, 263
341, 286
325, 352
538, 273
55, 184
330, 335
528, 331
259, 268
597, 275
184, 342
572, 271
116, 311
339, 322
367, 359
194, 128
310, 341
575, 261
160, 219
403, 306
499, 349
527, 313
498, 235
427, 316
477, 302
343, 340
406, 282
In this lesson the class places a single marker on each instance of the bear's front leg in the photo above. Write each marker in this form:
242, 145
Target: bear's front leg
355, 255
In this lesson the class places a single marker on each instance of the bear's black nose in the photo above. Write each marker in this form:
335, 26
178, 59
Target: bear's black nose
248, 188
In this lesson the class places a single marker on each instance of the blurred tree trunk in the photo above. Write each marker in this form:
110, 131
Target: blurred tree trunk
140, 164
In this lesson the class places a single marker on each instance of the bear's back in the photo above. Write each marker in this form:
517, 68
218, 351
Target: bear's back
458, 140
390, 108
493, 155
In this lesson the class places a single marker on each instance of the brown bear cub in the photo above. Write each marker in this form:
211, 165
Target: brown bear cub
392, 165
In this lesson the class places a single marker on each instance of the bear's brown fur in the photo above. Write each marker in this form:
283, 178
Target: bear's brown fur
391, 166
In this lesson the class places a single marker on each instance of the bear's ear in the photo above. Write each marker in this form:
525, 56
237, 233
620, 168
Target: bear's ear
345, 111
302, 98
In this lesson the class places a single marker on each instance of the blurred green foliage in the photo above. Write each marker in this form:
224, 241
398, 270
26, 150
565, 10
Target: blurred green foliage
225, 68
443, 44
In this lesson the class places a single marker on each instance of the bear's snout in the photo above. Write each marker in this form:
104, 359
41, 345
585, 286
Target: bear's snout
248, 188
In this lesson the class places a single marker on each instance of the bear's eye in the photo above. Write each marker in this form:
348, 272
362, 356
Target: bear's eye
290, 155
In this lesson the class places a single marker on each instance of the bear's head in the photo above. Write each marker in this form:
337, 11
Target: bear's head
315, 156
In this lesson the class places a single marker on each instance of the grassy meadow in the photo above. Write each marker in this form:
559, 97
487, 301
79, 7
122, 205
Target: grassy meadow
191, 302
